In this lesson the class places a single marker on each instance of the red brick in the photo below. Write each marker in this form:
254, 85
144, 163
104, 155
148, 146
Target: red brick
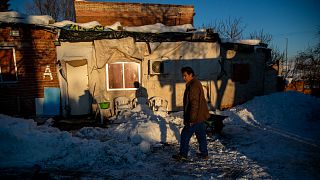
36, 52
133, 14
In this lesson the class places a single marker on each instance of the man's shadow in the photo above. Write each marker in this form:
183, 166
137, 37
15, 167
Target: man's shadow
142, 99
141, 91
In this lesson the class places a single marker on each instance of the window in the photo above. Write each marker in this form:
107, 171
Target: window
241, 73
122, 75
8, 67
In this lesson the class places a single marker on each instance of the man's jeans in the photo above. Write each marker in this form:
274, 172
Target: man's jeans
186, 134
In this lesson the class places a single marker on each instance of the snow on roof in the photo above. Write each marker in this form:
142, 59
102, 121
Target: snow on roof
160, 28
114, 26
15, 17
152, 28
87, 25
242, 41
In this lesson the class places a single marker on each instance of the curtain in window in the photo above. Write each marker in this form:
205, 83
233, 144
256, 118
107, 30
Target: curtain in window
8, 72
115, 73
131, 74
123, 75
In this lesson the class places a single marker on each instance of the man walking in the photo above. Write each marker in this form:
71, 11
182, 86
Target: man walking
195, 113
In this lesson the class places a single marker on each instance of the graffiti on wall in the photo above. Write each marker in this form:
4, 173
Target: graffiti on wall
75, 27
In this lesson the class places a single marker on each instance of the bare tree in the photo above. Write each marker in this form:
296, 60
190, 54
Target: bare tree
307, 66
265, 38
68, 12
57, 9
230, 28
277, 57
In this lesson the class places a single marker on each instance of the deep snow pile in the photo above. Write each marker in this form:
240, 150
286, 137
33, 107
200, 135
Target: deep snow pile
290, 113
270, 136
23, 143
279, 132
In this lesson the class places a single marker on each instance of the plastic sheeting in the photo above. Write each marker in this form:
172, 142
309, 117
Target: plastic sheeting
106, 49
85, 36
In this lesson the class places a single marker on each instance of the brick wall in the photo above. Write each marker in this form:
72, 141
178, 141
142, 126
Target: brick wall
133, 14
34, 50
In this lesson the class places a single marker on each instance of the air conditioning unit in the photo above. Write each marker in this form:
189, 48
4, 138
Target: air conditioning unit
156, 67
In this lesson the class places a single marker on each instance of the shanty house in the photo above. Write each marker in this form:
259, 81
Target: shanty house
138, 59
107, 64
88, 63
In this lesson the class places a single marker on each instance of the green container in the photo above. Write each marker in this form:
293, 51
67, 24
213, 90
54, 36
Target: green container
104, 105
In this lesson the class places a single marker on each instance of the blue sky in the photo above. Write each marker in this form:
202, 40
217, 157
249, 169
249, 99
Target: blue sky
295, 20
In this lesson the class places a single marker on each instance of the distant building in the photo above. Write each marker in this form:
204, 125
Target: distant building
133, 14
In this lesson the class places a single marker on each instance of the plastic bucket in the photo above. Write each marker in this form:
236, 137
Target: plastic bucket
104, 105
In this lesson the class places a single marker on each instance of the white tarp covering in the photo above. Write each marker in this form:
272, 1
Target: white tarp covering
184, 50
107, 48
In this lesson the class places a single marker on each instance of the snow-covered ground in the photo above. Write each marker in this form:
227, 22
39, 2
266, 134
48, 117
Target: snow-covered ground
275, 136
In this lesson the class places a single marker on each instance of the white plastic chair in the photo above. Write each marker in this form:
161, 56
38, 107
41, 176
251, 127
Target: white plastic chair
157, 103
139, 100
121, 104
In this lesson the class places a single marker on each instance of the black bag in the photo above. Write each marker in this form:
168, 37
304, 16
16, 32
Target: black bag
214, 124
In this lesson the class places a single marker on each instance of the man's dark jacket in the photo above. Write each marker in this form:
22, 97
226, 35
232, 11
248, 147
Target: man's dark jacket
194, 103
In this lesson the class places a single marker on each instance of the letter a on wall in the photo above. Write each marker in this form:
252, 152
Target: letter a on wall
47, 72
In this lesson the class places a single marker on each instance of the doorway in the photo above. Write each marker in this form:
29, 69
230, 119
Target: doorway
78, 90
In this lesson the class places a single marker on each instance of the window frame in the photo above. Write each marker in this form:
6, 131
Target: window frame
123, 77
15, 66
